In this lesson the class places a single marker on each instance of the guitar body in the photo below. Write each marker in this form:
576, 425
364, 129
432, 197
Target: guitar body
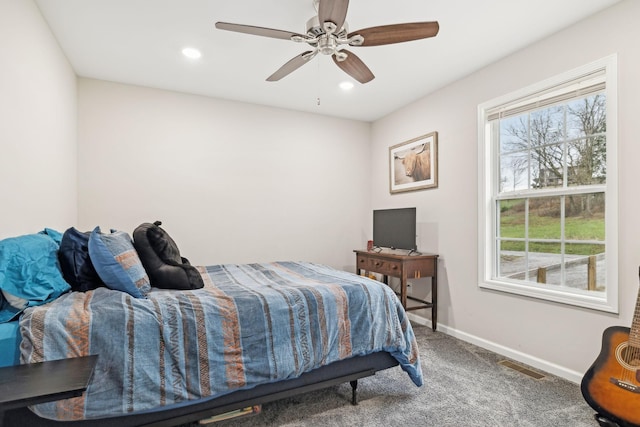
611, 386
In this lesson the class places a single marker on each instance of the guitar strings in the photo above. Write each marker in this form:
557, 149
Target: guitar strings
630, 356
634, 362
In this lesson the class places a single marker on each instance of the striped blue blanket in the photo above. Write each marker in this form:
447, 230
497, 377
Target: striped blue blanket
251, 324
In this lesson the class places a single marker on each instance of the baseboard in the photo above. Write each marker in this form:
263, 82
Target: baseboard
543, 365
419, 320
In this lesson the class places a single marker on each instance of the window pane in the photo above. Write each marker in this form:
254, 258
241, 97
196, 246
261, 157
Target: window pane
514, 172
549, 170
586, 116
512, 263
514, 134
545, 263
544, 218
586, 268
587, 161
546, 126
512, 218
585, 217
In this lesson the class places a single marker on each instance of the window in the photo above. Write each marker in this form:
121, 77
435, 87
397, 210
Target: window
548, 189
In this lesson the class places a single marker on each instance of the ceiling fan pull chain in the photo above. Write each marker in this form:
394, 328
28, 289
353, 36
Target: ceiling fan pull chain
318, 85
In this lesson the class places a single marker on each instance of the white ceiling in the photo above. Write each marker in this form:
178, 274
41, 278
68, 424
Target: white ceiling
140, 41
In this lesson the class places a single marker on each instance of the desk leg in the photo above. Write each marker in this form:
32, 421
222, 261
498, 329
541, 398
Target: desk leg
403, 291
434, 298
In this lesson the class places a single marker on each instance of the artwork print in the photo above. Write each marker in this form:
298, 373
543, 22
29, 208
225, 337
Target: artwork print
413, 164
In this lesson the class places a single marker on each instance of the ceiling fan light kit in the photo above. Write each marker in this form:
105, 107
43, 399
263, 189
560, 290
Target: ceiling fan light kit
328, 32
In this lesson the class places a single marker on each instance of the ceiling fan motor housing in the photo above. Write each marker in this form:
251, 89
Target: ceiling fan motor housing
315, 29
324, 37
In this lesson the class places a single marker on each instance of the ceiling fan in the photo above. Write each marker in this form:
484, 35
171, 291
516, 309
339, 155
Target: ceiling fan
328, 31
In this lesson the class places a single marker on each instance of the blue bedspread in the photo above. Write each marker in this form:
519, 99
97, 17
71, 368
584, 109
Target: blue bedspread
9, 344
250, 324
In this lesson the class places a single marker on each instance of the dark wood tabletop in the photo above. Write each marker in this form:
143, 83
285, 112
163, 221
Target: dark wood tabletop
34, 383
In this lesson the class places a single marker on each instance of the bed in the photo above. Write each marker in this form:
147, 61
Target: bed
254, 333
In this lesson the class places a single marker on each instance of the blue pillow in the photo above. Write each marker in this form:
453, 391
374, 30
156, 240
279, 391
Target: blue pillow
117, 263
75, 262
29, 273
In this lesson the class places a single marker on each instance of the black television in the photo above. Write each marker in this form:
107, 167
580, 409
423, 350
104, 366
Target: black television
395, 228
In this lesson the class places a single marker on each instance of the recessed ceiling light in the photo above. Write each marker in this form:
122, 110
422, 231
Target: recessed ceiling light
191, 53
346, 85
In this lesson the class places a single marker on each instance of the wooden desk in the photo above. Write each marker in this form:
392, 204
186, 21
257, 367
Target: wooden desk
405, 267
33, 383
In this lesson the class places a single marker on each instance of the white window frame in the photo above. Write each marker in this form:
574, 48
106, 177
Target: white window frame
488, 173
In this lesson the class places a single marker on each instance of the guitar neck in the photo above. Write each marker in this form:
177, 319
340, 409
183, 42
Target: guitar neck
634, 332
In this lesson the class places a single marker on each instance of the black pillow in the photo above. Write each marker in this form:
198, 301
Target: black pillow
77, 268
162, 261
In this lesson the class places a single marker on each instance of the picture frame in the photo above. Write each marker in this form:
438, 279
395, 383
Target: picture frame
413, 164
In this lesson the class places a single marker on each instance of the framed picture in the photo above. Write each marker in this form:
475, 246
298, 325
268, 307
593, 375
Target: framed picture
413, 164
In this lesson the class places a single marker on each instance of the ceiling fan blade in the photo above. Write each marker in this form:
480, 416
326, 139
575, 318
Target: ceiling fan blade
334, 11
397, 33
257, 31
354, 66
293, 64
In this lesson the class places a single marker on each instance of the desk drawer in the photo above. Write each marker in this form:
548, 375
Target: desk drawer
382, 266
417, 270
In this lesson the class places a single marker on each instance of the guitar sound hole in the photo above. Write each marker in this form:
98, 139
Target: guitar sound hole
628, 356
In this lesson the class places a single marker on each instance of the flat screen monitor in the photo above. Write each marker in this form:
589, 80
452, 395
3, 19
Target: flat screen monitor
395, 228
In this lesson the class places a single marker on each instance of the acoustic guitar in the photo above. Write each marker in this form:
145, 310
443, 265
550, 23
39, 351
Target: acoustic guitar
611, 386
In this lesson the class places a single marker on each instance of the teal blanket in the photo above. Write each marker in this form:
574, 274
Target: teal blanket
251, 324
29, 272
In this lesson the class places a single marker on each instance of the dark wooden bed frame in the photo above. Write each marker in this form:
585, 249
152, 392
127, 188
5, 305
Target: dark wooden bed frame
348, 370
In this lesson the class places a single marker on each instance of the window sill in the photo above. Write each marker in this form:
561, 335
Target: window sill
587, 299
